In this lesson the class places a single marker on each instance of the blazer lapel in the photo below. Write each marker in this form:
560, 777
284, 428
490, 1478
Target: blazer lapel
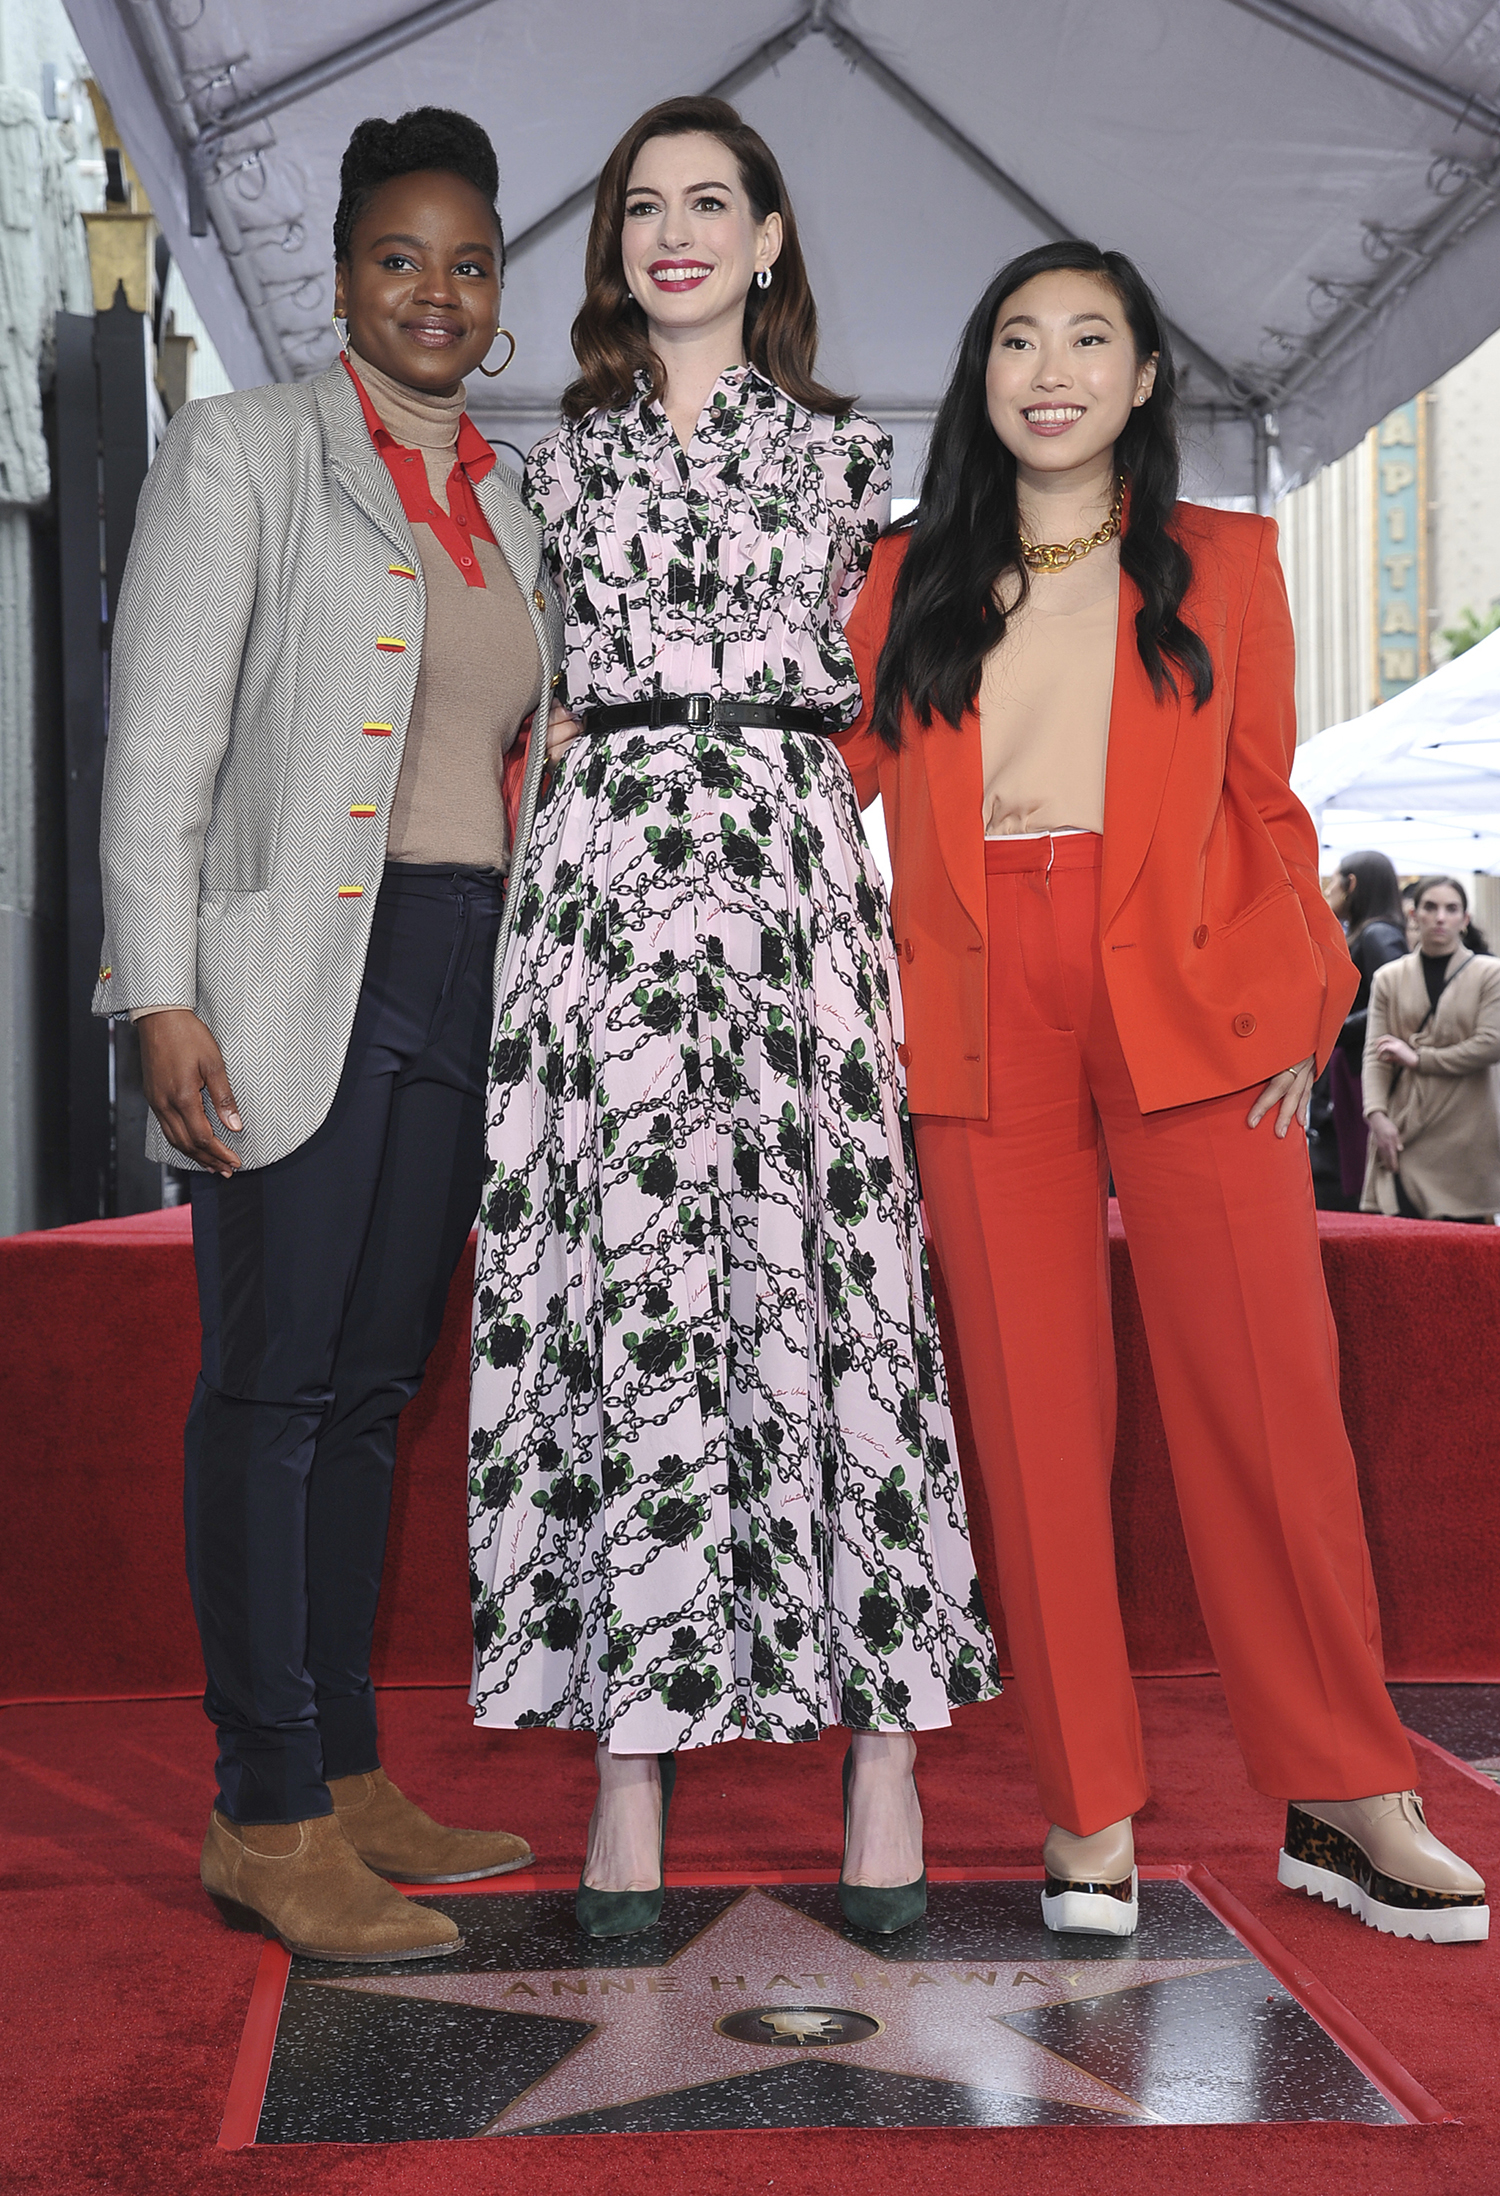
355, 462
1142, 737
372, 488
519, 535
517, 532
954, 763
1459, 962
1461, 959
1412, 999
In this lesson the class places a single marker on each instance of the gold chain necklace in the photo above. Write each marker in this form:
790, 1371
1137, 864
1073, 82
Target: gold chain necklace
1056, 556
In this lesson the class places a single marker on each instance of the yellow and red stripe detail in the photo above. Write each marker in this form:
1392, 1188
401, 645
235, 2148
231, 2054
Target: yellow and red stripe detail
402, 571
378, 731
351, 892
390, 644
363, 809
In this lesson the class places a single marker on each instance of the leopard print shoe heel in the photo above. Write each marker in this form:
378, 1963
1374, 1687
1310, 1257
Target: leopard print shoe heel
1327, 1864
1092, 1909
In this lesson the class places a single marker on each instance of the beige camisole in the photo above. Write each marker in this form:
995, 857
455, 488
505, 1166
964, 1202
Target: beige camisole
1044, 702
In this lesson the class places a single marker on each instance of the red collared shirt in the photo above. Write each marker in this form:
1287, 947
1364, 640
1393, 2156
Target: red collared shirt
458, 527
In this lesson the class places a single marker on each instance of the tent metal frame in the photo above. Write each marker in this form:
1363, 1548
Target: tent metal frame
1412, 254
1464, 107
1233, 394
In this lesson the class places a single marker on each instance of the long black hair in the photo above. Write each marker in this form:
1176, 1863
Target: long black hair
1376, 893
965, 531
425, 137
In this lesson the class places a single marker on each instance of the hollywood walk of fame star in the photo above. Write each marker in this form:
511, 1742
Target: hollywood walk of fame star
654, 2029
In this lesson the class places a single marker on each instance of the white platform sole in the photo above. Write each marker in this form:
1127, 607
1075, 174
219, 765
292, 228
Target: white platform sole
1093, 1913
1436, 1925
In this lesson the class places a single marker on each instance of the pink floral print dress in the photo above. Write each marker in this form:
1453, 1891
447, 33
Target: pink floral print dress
713, 1482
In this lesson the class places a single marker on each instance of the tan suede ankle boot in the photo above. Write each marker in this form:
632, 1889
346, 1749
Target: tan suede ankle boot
304, 1883
397, 1840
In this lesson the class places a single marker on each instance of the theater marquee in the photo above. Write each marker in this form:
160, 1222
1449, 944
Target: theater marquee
1398, 449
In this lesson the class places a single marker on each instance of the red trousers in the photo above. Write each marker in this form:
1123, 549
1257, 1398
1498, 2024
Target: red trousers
1224, 1245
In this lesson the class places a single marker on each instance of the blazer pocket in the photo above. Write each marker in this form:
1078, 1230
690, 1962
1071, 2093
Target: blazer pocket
1256, 907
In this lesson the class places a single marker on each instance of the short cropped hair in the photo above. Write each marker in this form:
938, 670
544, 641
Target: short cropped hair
427, 137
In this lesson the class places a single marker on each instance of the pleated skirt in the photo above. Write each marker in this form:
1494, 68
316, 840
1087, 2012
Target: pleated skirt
713, 1482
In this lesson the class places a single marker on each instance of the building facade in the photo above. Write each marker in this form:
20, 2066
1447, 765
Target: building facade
1393, 551
1396, 546
50, 167
65, 209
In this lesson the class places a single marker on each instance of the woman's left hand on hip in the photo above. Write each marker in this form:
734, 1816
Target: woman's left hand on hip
1289, 1094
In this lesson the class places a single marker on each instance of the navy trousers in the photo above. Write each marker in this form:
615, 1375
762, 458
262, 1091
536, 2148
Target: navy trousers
322, 1281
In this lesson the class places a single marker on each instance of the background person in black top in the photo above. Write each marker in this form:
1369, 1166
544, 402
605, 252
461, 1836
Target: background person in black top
1366, 897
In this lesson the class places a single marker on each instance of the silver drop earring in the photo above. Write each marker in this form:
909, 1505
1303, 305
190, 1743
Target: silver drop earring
341, 333
763, 279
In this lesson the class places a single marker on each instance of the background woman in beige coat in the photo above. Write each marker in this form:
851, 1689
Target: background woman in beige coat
1431, 1047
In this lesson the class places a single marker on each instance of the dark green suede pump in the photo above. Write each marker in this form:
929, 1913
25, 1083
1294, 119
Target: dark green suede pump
622, 1913
882, 1909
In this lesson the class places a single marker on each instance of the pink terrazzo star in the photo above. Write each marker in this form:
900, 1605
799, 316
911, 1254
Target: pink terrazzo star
654, 2030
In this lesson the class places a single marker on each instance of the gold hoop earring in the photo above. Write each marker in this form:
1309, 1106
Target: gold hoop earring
344, 338
494, 372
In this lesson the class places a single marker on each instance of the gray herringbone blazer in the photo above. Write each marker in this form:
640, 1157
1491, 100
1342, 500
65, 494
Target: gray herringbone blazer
252, 647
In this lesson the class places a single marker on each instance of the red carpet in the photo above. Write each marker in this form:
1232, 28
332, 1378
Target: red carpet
124, 1996
98, 1348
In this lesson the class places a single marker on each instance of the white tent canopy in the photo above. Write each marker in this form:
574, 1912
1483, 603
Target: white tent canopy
1313, 187
1419, 777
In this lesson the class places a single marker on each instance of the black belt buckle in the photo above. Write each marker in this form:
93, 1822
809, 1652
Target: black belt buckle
700, 710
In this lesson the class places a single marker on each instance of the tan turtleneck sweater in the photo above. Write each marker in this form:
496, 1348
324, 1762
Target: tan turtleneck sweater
480, 671
1044, 702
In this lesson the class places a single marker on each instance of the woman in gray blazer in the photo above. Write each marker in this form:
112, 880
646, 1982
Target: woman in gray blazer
333, 624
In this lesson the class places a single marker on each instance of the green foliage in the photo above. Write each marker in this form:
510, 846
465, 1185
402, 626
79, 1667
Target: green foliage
1471, 627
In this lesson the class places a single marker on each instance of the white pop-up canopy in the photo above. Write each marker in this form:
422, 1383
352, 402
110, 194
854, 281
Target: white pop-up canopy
1312, 187
1419, 777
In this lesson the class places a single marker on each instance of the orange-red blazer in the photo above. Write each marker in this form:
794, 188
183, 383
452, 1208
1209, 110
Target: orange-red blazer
1223, 960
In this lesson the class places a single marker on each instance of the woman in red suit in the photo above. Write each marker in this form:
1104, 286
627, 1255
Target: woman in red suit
1116, 959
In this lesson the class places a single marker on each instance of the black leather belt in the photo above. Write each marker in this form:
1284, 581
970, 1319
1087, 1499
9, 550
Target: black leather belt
706, 711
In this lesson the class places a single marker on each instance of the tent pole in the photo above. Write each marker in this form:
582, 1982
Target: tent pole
819, 21
1464, 107
755, 64
1412, 259
906, 95
302, 84
374, 46
1263, 426
206, 201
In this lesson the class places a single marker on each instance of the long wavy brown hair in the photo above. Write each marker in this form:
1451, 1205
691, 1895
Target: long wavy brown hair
610, 340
